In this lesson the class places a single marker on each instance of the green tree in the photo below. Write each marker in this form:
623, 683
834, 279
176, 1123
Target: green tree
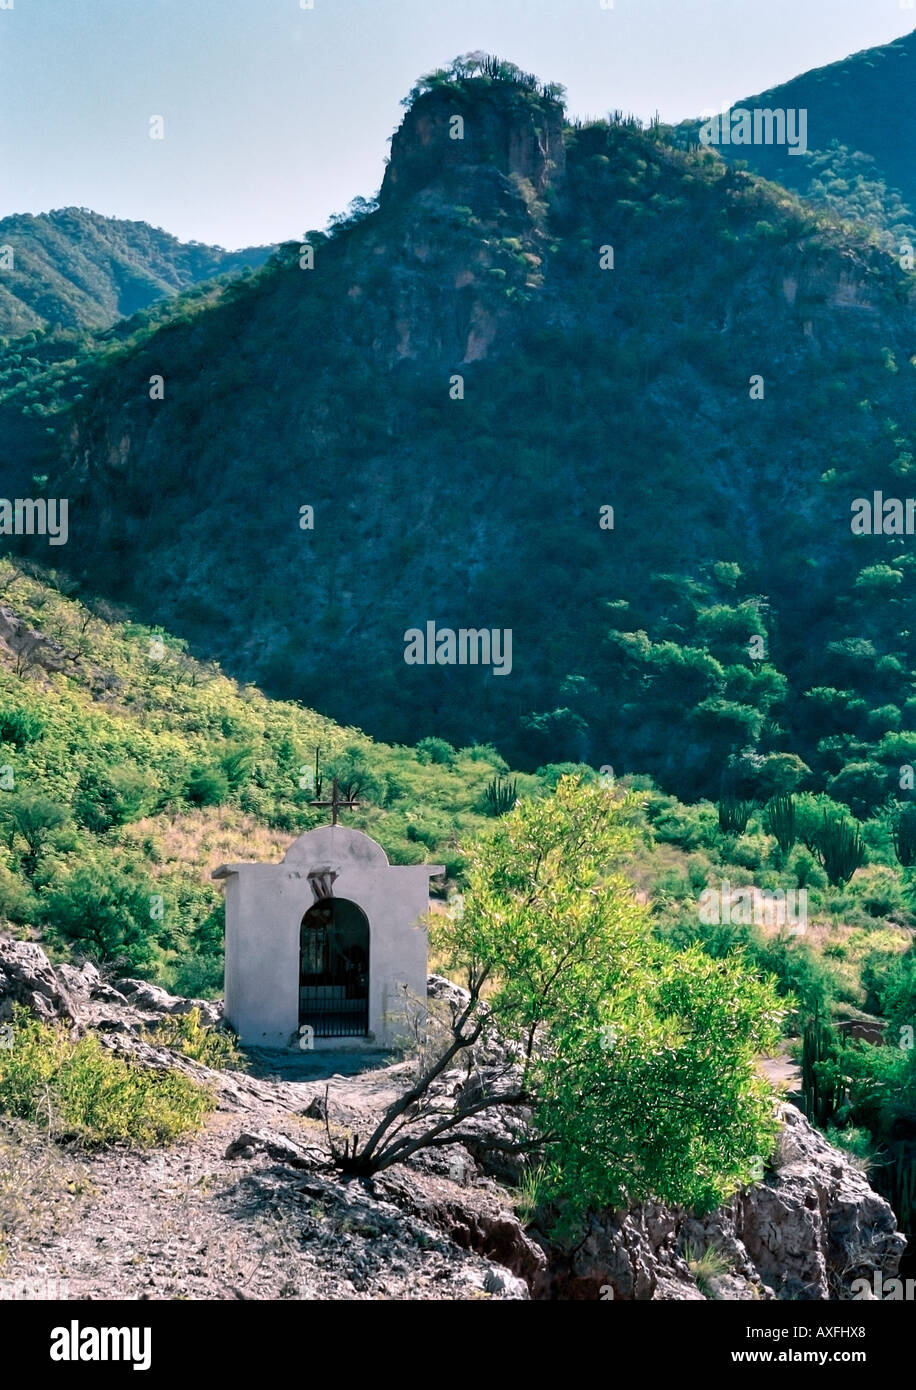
207, 786
108, 912
637, 1061
34, 820
109, 796
862, 786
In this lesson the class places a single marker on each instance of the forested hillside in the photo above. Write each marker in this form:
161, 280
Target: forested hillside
457, 386
75, 269
861, 132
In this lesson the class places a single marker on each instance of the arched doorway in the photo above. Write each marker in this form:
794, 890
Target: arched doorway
334, 969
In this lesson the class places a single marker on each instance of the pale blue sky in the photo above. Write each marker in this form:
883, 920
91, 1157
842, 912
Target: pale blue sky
276, 116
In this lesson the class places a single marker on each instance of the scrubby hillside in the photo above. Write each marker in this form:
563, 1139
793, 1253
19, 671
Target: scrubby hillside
128, 771
457, 383
861, 129
75, 269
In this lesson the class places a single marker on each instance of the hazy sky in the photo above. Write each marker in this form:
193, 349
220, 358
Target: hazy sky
276, 116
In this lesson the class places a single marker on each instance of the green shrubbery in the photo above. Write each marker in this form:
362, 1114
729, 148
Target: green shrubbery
106, 910
83, 1091
638, 1059
185, 1033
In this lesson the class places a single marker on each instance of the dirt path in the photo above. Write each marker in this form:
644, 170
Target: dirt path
187, 1222
782, 1072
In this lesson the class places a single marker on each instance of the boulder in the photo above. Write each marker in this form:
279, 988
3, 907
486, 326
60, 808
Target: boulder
265, 1141
27, 977
79, 995
154, 999
805, 1233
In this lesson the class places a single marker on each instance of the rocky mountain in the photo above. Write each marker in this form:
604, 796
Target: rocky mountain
861, 129
75, 269
567, 381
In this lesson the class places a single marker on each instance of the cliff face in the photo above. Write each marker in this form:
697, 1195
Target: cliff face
462, 221
449, 137
807, 1232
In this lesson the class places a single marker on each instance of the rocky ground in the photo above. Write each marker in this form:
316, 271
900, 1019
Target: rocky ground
247, 1209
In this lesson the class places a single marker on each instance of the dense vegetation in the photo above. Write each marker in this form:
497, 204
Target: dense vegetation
74, 269
128, 771
742, 662
861, 126
639, 1059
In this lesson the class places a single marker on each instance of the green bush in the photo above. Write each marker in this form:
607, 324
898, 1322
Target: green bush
18, 901
33, 821
110, 796
186, 1034
806, 870
20, 727
645, 1086
857, 1142
81, 1090
207, 786
197, 976
890, 982
486, 753
551, 773
862, 786
107, 912
799, 971
879, 891
236, 765
688, 827
436, 750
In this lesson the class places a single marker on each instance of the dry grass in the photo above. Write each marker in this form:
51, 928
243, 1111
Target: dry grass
208, 838
38, 1188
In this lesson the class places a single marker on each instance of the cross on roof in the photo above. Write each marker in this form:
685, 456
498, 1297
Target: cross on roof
336, 803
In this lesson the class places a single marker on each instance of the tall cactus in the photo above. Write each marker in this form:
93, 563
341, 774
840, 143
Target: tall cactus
905, 835
895, 1179
734, 815
780, 821
838, 845
501, 796
819, 1091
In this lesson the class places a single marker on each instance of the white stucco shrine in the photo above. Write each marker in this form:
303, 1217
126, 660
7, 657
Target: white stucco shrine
326, 948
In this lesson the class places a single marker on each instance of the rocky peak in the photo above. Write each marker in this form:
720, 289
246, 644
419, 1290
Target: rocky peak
477, 130
462, 216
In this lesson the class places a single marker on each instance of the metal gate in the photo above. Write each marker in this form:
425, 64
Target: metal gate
334, 970
332, 1015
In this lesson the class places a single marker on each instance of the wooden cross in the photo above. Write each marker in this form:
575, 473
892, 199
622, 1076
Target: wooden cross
336, 802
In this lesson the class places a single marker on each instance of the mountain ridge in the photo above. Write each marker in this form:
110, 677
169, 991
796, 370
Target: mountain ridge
582, 387
861, 131
76, 269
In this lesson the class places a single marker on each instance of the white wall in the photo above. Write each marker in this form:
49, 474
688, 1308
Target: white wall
265, 904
